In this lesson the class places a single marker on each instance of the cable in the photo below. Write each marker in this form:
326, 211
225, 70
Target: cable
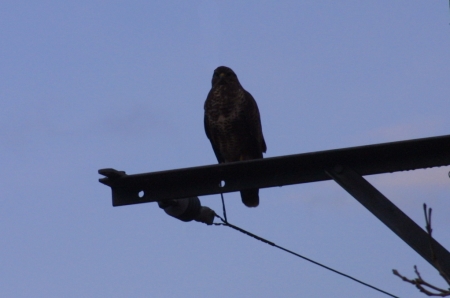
226, 223
223, 207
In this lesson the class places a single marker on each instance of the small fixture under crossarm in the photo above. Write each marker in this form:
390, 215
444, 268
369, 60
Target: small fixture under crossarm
188, 209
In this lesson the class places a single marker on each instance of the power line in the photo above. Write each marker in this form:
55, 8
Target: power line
227, 224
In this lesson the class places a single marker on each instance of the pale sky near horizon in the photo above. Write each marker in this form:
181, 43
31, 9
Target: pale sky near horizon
86, 85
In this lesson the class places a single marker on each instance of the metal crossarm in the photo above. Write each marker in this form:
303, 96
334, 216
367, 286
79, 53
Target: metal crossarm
275, 171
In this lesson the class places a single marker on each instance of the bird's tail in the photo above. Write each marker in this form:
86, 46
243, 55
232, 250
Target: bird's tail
250, 197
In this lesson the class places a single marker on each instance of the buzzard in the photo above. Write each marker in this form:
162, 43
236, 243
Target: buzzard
233, 124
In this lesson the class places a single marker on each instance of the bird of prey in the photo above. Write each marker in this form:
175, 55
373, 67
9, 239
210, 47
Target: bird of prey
233, 124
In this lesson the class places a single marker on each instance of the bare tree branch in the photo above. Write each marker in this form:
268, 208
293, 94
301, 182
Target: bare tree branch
419, 282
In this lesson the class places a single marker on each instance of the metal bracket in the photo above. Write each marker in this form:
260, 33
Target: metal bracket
390, 215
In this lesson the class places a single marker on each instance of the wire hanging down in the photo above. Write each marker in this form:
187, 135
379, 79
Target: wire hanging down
227, 224
223, 208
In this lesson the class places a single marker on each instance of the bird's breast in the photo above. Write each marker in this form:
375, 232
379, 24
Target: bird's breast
225, 105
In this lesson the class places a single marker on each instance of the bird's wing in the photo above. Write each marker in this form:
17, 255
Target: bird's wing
210, 136
253, 122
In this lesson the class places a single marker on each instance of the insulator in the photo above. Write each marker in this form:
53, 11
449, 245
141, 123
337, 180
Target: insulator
188, 209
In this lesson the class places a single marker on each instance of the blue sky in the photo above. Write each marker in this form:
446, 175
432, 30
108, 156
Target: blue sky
86, 85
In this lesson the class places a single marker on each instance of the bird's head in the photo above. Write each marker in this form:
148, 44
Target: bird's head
224, 75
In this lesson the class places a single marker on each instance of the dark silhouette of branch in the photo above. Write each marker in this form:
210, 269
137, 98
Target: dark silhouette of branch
419, 282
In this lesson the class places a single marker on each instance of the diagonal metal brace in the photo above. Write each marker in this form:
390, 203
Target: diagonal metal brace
391, 216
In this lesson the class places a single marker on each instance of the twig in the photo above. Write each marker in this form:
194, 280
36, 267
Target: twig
419, 282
